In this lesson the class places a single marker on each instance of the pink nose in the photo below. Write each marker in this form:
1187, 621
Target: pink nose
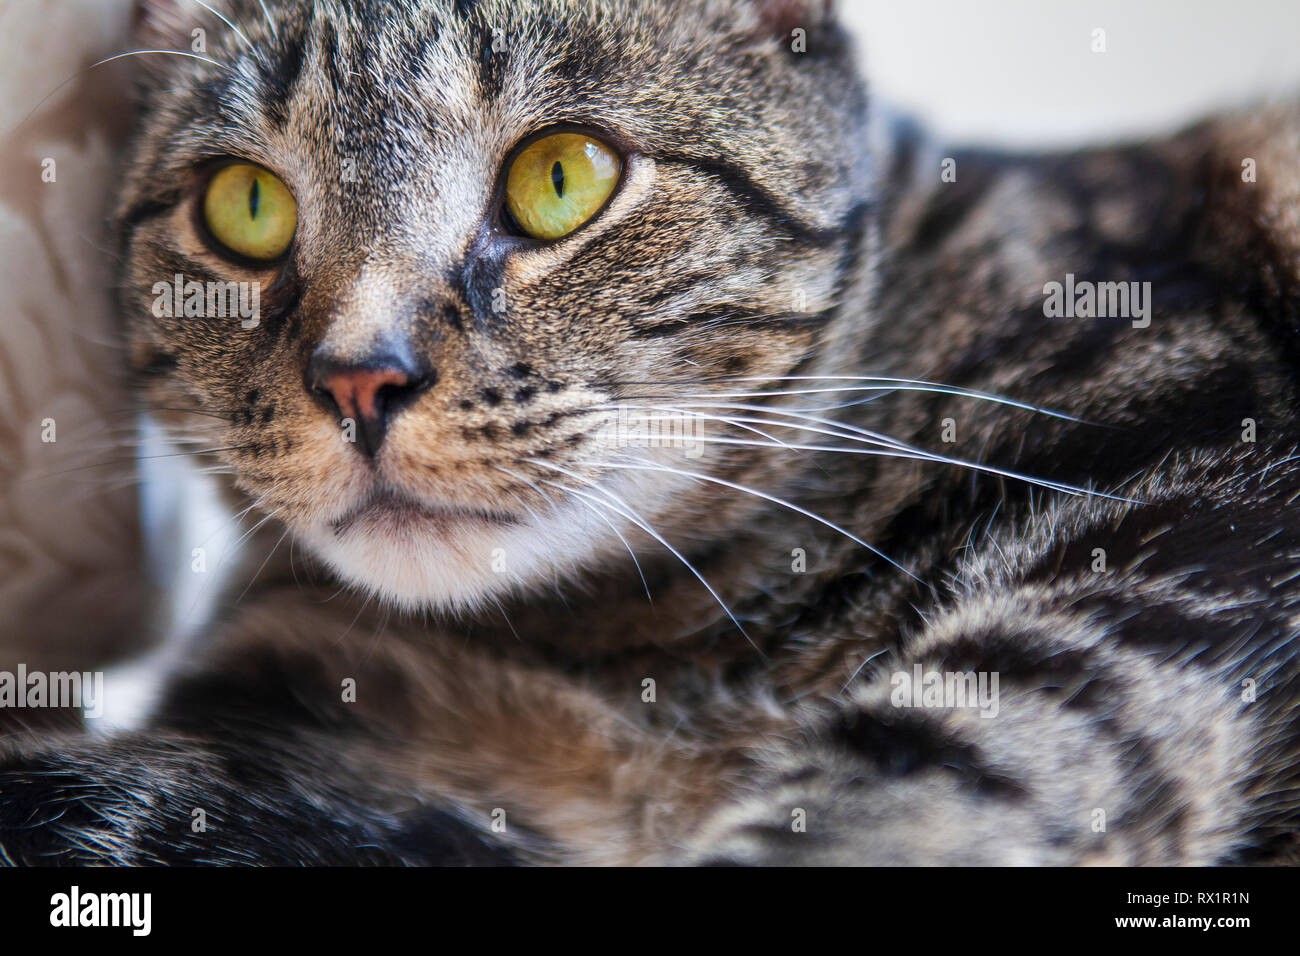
358, 392
369, 394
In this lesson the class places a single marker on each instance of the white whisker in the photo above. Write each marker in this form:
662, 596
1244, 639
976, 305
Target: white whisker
898, 450
738, 423
119, 56
108, 59
883, 440
230, 23
864, 383
267, 16
261, 567
667, 469
639, 522
612, 527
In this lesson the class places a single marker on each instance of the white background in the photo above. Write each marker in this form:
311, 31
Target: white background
1022, 71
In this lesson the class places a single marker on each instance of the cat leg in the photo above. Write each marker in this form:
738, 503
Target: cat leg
304, 739
175, 799
1053, 713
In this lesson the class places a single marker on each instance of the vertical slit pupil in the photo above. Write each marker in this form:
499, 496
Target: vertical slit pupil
254, 199
557, 178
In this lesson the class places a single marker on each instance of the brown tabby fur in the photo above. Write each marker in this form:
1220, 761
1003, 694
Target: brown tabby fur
753, 174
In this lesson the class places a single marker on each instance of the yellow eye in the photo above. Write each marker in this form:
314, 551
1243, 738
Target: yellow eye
250, 211
559, 182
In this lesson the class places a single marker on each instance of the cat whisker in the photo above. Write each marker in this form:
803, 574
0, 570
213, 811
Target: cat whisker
858, 669
890, 447
520, 498
254, 529
232, 519
121, 56
875, 437
381, 629
230, 23
918, 455
131, 461
738, 423
612, 527
365, 603
879, 385
668, 469
220, 413
819, 408
619, 508
266, 14
265, 562
108, 59
899, 449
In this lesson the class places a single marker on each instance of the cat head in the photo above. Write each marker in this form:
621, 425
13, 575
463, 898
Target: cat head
462, 292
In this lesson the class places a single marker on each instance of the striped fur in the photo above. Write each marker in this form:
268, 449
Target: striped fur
548, 713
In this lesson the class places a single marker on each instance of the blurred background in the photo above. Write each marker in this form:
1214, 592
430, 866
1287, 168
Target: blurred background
1022, 72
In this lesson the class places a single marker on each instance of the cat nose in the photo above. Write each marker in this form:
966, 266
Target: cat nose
367, 392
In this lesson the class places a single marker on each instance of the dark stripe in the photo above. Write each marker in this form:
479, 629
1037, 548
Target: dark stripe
746, 319
1076, 675
1169, 542
1156, 807
160, 365
483, 272
952, 203
492, 65
329, 55
759, 202
142, 212
899, 743
583, 56
853, 255
1016, 654
281, 77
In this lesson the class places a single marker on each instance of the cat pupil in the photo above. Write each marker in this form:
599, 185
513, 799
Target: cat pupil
254, 199
557, 179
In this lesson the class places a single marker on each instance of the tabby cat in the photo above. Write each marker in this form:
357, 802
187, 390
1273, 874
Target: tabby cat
685, 463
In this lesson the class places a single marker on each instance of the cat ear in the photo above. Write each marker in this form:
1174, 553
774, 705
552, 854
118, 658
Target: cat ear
791, 21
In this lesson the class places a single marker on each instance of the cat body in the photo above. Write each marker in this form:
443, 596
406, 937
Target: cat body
913, 477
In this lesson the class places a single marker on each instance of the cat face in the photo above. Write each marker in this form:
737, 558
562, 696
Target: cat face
499, 254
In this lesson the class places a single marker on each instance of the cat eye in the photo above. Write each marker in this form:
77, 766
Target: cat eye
559, 183
250, 211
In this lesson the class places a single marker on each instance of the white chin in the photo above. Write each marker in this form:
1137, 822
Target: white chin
419, 561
